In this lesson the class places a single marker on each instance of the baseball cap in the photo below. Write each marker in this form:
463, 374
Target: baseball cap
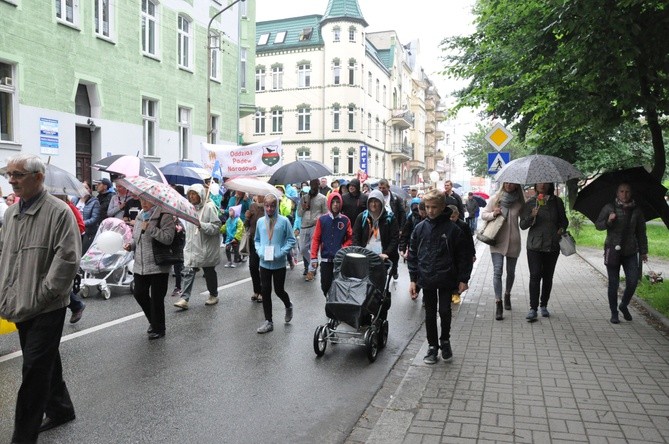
104, 181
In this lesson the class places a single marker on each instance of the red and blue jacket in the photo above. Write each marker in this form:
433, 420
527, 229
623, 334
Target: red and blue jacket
332, 233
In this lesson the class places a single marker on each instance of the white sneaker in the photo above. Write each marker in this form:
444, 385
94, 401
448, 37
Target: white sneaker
266, 327
227, 265
213, 300
232, 265
181, 303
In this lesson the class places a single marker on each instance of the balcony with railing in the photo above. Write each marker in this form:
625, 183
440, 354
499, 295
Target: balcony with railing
440, 115
402, 119
430, 127
401, 151
439, 135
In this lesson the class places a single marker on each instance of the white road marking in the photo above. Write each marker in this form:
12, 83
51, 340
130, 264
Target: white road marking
88, 331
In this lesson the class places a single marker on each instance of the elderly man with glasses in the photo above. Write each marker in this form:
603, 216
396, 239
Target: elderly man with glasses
40, 249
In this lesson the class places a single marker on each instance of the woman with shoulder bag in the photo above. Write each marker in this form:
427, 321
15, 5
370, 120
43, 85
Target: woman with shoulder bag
625, 239
151, 279
546, 219
507, 202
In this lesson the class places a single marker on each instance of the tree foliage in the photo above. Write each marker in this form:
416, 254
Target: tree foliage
573, 77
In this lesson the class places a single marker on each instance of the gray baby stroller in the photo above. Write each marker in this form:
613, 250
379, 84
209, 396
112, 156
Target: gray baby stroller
354, 302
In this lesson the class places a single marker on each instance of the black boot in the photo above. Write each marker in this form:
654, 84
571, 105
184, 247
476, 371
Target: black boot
499, 311
507, 301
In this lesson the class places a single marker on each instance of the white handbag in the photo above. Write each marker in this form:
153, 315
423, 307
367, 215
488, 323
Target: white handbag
567, 244
488, 233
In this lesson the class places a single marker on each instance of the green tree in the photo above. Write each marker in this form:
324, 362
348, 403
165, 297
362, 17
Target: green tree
572, 77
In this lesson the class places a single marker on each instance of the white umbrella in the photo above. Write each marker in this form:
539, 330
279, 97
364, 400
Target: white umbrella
537, 168
251, 185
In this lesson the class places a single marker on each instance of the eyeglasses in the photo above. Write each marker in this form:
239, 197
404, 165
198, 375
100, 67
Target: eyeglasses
17, 174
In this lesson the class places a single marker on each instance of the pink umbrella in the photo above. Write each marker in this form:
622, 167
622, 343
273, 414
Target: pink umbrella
161, 195
130, 166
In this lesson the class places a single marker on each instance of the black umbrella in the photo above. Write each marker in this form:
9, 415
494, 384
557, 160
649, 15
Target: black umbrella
647, 192
299, 171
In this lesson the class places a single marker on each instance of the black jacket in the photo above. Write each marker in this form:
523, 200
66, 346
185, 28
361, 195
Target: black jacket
407, 229
438, 254
455, 199
352, 205
398, 208
390, 233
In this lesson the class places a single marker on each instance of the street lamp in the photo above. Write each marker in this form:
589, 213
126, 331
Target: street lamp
211, 21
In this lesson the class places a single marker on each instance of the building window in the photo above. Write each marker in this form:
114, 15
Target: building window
336, 34
335, 160
67, 11
351, 73
215, 53
378, 90
149, 28
263, 39
184, 132
376, 165
369, 83
351, 118
304, 119
351, 160
304, 75
184, 43
243, 9
259, 121
369, 124
385, 95
280, 37
260, 79
213, 137
150, 123
303, 154
7, 103
335, 118
351, 34
104, 15
242, 68
277, 121
277, 77
336, 71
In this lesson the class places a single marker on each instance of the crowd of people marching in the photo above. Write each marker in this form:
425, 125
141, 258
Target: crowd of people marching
433, 232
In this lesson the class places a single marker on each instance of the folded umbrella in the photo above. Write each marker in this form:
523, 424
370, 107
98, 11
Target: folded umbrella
129, 166
162, 196
647, 192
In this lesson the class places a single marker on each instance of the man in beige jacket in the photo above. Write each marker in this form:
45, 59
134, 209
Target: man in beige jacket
40, 249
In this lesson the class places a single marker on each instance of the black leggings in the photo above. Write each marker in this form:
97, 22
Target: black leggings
150, 291
279, 278
542, 267
254, 267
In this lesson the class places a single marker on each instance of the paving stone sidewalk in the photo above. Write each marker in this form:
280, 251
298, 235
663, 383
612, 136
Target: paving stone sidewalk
573, 377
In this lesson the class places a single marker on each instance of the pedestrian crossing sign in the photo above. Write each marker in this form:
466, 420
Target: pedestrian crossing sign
496, 161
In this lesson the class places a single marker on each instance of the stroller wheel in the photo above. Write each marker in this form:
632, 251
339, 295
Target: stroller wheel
132, 286
383, 335
372, 344
106, 292
320, 340
85, 291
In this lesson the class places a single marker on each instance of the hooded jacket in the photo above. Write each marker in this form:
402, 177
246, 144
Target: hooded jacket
282, 240
332, 232
412, 220
354, 203
388, 228
316, 207
203, 243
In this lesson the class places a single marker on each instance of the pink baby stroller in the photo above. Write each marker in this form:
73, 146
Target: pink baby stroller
100, 269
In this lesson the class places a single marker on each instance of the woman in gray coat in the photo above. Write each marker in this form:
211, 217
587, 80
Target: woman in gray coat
151, 280
544, 215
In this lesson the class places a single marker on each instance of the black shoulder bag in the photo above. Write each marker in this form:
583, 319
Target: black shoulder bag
169, 254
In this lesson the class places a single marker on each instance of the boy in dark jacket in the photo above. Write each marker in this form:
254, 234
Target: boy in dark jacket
440, 262
333, 232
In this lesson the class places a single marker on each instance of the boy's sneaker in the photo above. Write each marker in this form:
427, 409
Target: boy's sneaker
446, 352
266, 327
544, 312
232, 265
181, 303
289, 313
213, 300
432, 356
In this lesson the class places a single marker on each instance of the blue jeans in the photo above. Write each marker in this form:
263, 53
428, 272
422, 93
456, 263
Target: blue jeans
631, 269
498, 268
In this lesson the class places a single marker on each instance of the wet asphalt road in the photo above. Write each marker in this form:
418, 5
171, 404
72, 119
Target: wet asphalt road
212, 379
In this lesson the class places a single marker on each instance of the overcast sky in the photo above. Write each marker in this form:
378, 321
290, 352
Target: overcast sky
427, 20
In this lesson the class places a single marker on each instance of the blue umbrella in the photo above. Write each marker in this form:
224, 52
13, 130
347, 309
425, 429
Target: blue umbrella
184, 172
